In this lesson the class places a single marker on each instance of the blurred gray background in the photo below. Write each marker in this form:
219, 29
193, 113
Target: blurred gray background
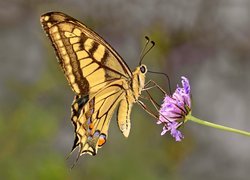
206, 41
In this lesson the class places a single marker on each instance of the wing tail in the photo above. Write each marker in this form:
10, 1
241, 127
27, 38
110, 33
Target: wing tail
76, 108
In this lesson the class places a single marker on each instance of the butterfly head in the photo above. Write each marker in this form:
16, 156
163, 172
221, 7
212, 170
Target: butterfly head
139, 80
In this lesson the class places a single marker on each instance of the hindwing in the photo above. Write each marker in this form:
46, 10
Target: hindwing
91, 119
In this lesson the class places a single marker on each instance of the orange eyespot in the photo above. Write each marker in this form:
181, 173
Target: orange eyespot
101, 141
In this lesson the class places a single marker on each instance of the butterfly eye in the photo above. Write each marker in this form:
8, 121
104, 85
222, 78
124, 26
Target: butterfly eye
143, 69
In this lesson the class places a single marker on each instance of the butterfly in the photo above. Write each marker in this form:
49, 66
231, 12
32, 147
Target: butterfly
99, 77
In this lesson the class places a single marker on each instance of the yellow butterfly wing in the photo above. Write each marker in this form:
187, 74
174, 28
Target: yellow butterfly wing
92, 119
88, 62
97, 74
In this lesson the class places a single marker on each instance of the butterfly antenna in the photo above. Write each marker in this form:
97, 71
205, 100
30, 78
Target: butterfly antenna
144, 52
161, 73
145, 46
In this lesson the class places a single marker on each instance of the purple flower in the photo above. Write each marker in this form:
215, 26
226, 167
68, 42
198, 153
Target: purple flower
174, 110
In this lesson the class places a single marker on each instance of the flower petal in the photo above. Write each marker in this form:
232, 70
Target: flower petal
174, 109
177, 135
186, 85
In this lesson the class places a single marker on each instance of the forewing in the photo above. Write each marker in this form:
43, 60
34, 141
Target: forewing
91, 119
88, 61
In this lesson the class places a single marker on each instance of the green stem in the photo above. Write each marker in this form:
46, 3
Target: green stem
206, 123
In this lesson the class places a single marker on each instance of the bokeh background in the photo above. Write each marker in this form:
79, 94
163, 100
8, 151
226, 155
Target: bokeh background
206, 41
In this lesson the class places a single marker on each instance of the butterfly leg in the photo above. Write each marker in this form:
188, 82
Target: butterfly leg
151, 113
148, 88
146, 84
155, 104
154, 85
151, 99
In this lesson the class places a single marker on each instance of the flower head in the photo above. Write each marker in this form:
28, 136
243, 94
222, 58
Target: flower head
174, 110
